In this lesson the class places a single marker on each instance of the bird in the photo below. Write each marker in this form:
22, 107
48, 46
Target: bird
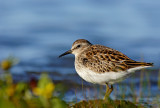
102, 65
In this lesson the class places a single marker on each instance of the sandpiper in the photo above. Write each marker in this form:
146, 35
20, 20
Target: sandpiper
99, 64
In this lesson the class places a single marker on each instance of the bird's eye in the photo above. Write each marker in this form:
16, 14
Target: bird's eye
78, 46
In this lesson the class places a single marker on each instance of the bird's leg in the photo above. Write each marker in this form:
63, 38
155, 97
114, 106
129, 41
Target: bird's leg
107, 87
108, 91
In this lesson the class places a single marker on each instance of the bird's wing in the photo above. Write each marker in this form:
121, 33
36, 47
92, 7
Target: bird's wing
104, 59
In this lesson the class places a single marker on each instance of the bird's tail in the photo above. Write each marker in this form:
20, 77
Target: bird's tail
133, 64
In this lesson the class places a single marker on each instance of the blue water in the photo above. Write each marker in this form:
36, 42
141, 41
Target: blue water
37, 32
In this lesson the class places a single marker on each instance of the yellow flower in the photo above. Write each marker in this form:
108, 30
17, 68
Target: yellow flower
50, 87
37, 91
10, 90
46, 91
6, 64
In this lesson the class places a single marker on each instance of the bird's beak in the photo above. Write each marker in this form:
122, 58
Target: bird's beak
67, 52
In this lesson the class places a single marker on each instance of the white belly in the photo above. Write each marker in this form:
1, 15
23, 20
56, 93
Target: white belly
101, 78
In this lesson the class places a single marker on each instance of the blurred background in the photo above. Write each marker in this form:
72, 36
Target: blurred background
37, 32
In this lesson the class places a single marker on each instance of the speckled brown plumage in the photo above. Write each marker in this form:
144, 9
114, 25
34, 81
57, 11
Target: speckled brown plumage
104, 59
102, 65
101, 59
